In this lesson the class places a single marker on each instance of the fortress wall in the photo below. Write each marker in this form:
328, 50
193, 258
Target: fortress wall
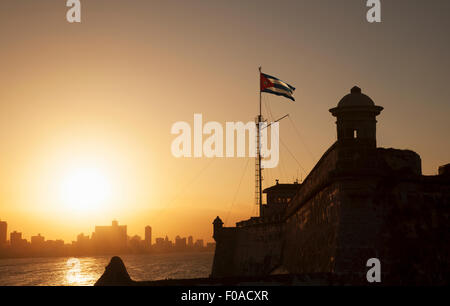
336, 222
360, 228
405, 223
259, 249
252, 250
345, 214
319, 177
313, 220
312, 233
415, 230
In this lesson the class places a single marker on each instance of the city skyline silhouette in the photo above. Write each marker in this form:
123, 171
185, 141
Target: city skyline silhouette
110, 239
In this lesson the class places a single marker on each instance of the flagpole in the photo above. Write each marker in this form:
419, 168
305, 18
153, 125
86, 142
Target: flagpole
260, 91
259, 149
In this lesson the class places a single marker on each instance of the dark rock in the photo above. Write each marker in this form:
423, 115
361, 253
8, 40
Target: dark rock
115, 274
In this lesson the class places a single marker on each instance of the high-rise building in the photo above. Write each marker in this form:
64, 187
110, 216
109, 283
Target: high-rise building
37, 242
83, 242
199, 243
82, 239
16, 240
110, 238
148, 236
3, 228
180, 243
167, 242
190, 241
135, 242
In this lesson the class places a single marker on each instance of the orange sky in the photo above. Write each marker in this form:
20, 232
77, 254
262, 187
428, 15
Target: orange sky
103, 94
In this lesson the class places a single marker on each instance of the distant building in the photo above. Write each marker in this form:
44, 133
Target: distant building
135, 238
148, 236
82, 239
180, 243
167, 242
54, 245
199, 244
162, 244
135, 243
3, 232
16, 240
110, 238
190, 241
159, 244
37, 242
83, 244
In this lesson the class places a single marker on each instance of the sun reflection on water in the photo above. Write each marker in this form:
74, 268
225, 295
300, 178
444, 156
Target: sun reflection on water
76, 276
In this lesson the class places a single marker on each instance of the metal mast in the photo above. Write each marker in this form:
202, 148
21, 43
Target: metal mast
258, 170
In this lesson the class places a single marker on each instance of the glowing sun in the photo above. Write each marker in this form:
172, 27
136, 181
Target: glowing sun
85, 189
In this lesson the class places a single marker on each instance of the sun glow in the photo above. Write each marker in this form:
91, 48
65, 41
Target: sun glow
85, 189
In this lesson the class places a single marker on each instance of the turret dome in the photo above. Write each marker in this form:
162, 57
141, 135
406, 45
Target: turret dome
356, 98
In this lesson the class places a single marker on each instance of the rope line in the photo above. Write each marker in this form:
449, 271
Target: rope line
189, 183
301, 139
293, 156
237, 191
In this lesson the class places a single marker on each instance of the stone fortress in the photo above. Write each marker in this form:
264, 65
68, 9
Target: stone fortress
358, 202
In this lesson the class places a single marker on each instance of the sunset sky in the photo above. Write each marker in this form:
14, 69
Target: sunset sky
97, 100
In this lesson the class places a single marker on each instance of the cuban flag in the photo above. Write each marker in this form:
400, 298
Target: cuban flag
276, 86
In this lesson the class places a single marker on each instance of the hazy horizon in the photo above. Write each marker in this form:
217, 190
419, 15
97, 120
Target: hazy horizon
104, 94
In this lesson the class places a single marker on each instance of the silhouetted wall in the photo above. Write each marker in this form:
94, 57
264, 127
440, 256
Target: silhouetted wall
353, 206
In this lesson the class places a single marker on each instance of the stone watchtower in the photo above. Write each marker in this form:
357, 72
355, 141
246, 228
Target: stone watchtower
356, 123
217, 227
